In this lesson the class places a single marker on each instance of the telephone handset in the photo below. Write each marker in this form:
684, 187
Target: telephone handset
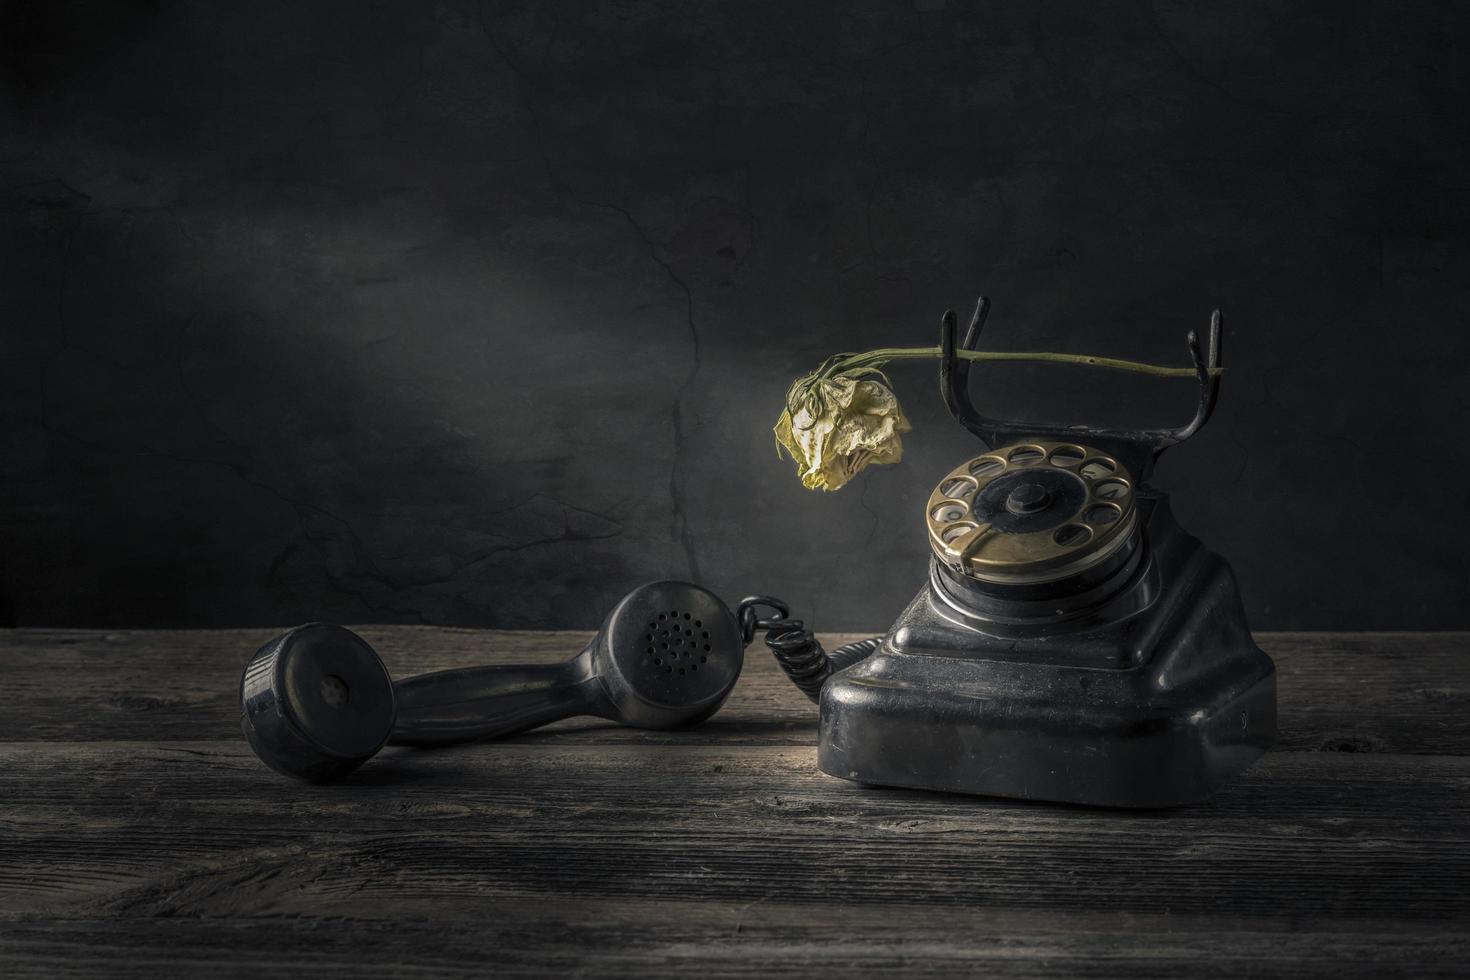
317, 702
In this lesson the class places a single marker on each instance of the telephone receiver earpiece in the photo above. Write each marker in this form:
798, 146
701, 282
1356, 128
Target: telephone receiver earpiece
317, 702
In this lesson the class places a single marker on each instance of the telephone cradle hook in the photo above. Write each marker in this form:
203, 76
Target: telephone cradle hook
1139, 449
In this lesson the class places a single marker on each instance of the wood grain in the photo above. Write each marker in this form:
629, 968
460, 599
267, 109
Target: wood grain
140, 837
676, 939
1346, 835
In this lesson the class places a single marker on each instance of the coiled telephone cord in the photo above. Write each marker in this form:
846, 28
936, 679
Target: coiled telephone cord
796, 648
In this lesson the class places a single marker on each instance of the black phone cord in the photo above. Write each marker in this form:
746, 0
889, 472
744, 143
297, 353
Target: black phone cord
796, 648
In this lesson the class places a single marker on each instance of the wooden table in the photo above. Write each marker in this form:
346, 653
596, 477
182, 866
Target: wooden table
140, 836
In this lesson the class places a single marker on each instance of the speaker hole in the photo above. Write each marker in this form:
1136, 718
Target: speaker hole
334, 690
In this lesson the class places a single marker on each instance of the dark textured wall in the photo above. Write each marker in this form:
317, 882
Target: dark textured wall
481, 314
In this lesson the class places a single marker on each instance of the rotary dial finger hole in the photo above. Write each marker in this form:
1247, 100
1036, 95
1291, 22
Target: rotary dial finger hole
1072, 535
1026, 455
1110, 490
1098, 467
960, 486
987, 466
947, 512
1102, 514
957, 531
1066, 457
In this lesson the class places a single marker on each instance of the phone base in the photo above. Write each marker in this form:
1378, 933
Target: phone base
1156, 707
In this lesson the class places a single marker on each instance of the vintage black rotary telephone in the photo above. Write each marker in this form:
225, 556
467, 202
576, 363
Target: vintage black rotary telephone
1071, 644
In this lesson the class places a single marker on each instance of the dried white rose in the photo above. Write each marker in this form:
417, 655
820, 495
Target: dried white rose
833, 427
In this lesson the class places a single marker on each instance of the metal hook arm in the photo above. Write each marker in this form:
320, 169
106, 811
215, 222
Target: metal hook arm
1141, 446
954, 372
1209, 383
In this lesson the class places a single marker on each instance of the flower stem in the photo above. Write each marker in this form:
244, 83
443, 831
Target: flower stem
882, 355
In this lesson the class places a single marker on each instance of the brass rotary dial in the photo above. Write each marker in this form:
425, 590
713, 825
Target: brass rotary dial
1031, 512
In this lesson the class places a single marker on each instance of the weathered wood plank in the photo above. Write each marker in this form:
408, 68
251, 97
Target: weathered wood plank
200, 829
1370, 692
1373, 692
677, 939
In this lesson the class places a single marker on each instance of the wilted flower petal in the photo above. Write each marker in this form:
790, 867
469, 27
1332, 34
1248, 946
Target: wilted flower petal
834, 427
